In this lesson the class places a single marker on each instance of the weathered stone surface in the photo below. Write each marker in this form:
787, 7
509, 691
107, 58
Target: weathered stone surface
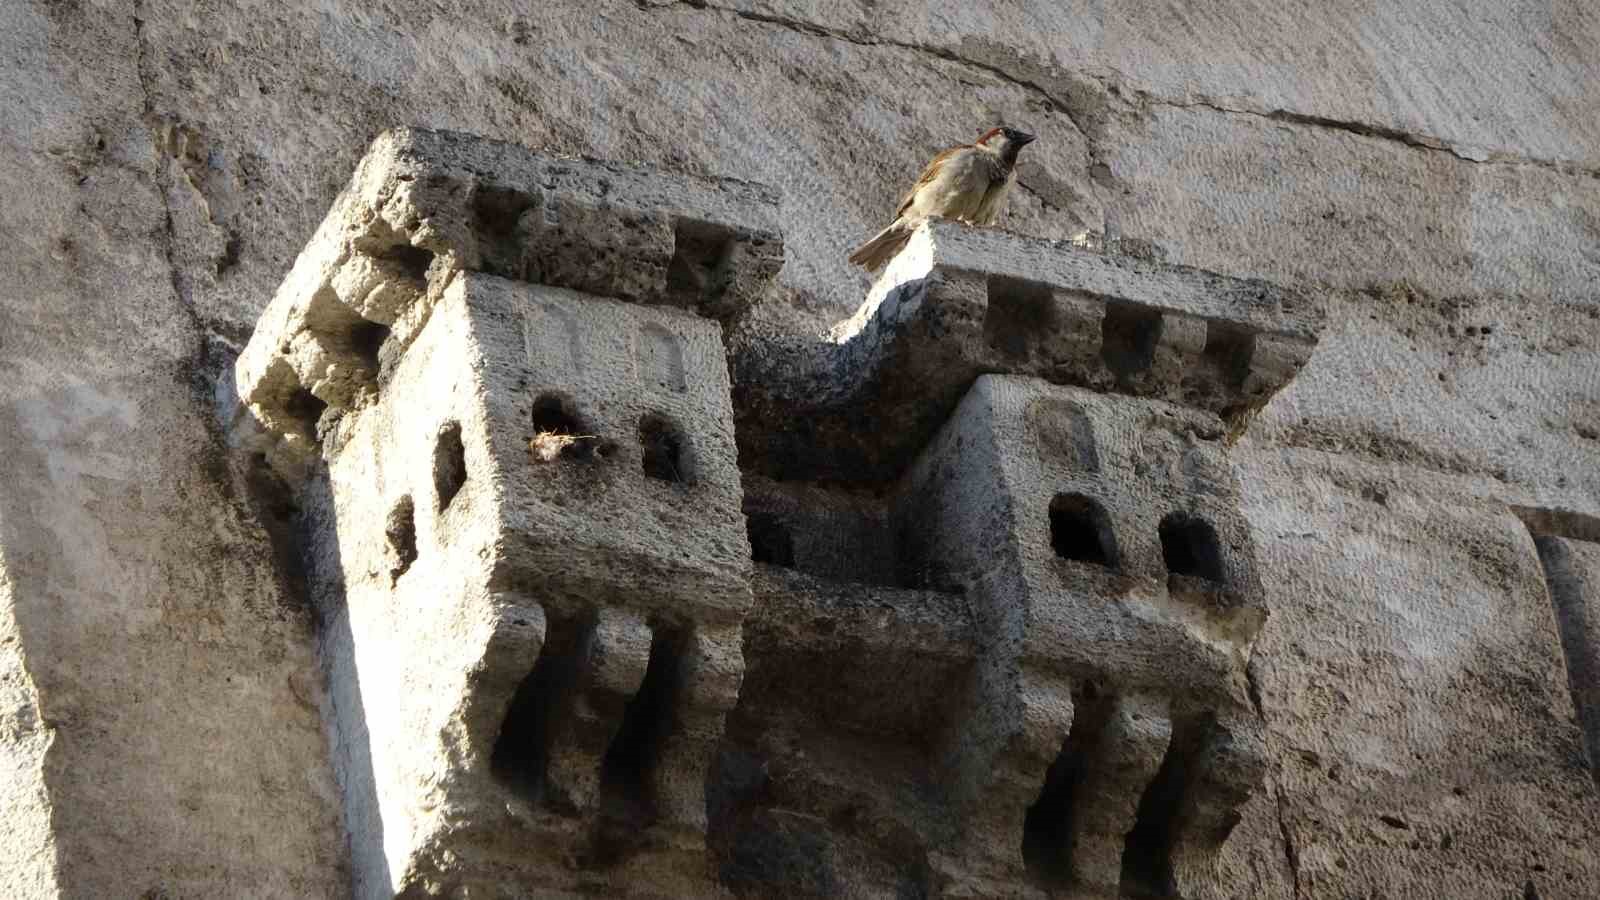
1063, 592
1445, 89
561, 619
848, 639
1100, 539
25, 838
959, 301
1080, 497
164, 163
424, 205
1572, 571
172, 668
646, 505
1358, 211
1387, 575
826, 783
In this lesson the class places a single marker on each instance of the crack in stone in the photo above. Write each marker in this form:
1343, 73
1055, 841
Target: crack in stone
1035, 193
161, 178
1253, 689
1379, 132
814, 30
1290, 854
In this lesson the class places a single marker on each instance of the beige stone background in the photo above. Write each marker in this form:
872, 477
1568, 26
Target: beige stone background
1432, 167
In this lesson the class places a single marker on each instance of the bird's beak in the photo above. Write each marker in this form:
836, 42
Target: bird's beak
1025, 138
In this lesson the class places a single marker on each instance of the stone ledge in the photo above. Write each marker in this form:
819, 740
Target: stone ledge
959, 302
1248, 304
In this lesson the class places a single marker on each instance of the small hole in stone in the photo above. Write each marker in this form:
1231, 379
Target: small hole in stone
449, 464
306, 408
770, 539
275, 503
664, 448
699, 268
627, 773
1080, 530
521, 751
401, 531
499, 213
1147, 856
366, 339
1019, 313
558, 431
1229, 348
1128, 338
275, 498
499, 210
1189, 546
413, 261
230, 253
1047, 826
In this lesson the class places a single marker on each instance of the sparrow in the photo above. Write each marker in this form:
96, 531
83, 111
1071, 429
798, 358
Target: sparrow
968, 183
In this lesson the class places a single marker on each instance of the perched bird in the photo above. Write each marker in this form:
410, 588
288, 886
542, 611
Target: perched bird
968, 183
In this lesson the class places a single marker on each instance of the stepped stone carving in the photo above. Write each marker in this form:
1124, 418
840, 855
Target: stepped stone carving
496, 383
1115, 603
959, 302
424, 205
981, 551
1031, 441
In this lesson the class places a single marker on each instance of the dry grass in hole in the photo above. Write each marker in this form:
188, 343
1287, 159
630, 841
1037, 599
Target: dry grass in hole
548, 446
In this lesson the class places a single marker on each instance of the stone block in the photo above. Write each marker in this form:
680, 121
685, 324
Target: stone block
611, 427
608, 667
1119, 517
1102, 549
529, 547
827, 648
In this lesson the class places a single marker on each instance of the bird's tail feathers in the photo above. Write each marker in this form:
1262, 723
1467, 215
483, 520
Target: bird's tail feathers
883, 246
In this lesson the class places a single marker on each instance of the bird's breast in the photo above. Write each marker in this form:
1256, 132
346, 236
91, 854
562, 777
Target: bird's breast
956, 191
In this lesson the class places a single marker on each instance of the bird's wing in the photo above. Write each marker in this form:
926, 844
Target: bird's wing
929, 173
994, 200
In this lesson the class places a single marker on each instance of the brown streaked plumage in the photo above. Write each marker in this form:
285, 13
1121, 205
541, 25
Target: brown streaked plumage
968, 183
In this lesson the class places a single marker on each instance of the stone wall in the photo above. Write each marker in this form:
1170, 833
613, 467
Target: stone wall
1430, 170
25, 838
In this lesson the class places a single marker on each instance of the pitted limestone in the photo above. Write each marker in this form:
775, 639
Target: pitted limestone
564, 632
958, 302
1101, 543
647, 508
514, 369
1088, 496
1119, 762
424, 205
